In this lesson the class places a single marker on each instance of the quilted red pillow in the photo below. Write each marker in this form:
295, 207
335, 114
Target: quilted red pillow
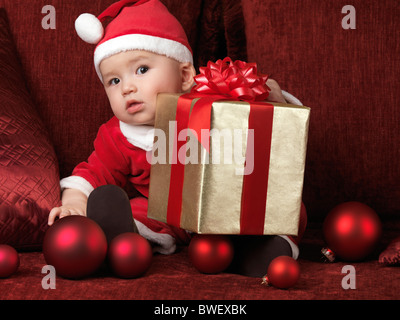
29, 176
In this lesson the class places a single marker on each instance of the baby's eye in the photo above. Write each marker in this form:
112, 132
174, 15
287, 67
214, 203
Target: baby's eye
142, 69
114, 81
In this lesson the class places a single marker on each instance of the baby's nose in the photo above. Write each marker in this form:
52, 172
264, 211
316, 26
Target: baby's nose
129, 87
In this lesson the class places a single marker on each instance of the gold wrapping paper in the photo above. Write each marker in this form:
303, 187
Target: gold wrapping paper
211, 198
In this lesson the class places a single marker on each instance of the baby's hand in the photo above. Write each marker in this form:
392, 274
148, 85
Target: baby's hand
275, 94
62, 212
74, 202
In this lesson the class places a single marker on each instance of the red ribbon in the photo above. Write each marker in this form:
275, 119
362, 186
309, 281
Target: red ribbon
227, 80
236, 80
255, 185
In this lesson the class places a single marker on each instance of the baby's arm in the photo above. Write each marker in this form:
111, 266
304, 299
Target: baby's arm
73, 203
275, 95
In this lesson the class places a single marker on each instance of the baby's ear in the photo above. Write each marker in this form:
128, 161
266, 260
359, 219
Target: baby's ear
188, 72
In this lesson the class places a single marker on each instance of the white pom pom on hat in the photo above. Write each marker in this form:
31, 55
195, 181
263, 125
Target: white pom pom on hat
135, 25
89, 28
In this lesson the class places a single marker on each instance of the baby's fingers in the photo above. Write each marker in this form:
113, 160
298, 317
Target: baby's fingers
59, 212
54, 213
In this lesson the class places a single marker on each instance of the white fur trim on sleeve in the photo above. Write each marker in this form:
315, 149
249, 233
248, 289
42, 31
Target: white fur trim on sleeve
291, 98
165, 243
76, 182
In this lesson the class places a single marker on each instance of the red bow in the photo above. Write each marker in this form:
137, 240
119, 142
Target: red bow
238, 80
219, 81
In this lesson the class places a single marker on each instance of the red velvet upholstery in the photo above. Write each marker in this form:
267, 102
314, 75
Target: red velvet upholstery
60, 72
173, 277
349, 78
29, 177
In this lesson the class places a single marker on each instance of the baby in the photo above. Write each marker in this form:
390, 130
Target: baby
144, 51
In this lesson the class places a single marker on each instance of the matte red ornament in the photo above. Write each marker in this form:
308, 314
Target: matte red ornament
283, 272
130, 255
76, 246
352, 230
9, 260
211, 253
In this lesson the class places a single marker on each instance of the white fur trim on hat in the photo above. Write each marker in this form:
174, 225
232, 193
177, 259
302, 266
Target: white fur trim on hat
89, 28
163, 46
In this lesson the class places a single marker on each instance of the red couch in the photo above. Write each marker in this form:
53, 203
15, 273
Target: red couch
51, 105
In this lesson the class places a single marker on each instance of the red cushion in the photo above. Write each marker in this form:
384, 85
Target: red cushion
29, 179
391, 255
60, 72
350, 80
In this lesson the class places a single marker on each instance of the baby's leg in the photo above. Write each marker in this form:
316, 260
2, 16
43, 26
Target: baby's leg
109, 206
253, 254
163, 237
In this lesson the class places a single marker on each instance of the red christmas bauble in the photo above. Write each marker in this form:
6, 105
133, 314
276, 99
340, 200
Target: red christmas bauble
76, 246
130, 255
210, 253
9, 260
352, 230
283, 272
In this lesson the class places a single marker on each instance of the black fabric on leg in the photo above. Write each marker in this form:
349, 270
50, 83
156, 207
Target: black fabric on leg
253, 254
109, 206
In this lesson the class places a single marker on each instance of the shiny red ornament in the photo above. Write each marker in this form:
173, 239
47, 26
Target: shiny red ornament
283, 272
352, 230
76, 246
211, 253
9, 261
130, 255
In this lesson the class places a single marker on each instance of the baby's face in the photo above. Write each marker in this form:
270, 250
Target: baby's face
132, 80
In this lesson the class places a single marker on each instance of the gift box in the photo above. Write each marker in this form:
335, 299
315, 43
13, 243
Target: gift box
228, 163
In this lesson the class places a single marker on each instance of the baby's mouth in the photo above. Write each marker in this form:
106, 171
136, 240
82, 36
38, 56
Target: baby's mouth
134, 106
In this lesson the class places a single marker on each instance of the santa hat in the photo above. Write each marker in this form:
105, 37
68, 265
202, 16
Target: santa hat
136, 25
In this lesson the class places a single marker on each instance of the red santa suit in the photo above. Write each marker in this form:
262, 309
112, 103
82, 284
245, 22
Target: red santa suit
120, 150
120, 155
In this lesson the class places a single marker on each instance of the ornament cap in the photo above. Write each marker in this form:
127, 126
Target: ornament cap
265, 281
328, 255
